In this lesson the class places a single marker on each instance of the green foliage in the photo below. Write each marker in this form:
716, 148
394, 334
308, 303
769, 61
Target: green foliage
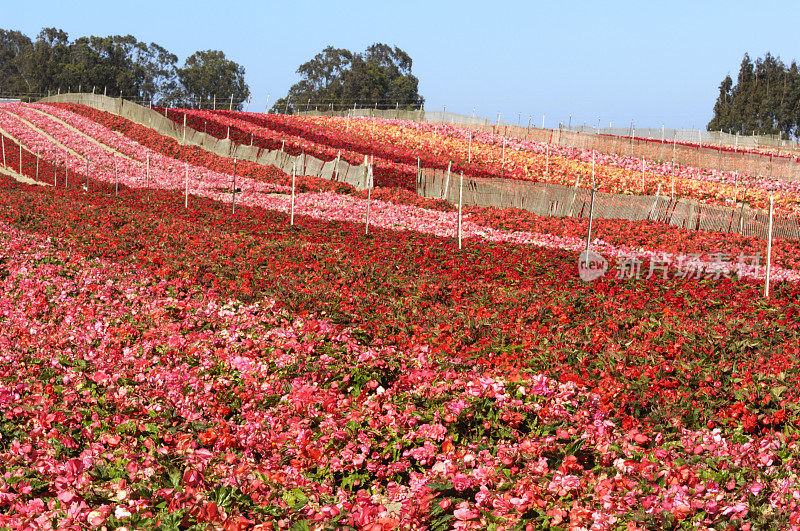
764, 100
339, 78
209, 74
114, 65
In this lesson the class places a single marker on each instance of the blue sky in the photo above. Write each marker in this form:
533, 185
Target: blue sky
652, 62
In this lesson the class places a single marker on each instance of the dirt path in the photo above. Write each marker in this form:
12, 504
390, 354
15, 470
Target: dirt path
21, 178
56, 142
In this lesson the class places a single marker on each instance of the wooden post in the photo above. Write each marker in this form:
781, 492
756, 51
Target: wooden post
460, 199
769, 247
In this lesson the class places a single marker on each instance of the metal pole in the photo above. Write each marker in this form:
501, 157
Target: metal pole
460, 198
3, 143
37, 163
20, 158
769, 247
469, 150
116, 176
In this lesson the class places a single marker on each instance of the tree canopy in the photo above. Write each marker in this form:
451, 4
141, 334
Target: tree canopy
117, 64
340, 78
764, 100
209, 73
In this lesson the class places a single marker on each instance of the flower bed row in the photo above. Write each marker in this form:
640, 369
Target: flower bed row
439, 145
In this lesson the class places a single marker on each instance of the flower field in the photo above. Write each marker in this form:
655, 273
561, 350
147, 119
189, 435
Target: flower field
397, 144
195, 367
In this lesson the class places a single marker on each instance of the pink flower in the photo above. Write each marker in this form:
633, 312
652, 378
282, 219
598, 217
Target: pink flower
461, 481
464, 512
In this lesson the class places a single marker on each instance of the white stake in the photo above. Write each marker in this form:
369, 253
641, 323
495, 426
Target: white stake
591, 218
460, 197
147, 171
547, 161
769, 246
20, 158
370, 179
447, 183
184, 128
291, 211
642, 174
503, 162
233, 202
186, 189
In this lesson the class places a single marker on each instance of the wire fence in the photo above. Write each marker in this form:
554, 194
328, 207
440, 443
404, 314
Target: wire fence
539, 198
554, 200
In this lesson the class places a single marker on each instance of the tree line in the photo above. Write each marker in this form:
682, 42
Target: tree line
115, 65
764, 100
337, 78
